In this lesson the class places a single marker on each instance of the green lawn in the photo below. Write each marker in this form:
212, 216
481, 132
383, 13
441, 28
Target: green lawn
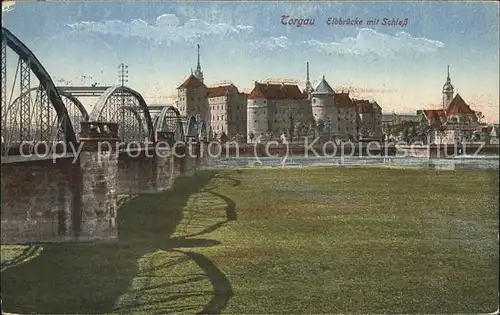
298, 240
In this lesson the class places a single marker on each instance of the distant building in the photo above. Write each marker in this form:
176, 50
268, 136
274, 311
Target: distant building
273, 108
455, 122
228, 110
494, 134
369, 119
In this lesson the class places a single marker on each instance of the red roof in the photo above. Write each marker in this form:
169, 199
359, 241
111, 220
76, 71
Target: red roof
275, 91
364, 107
222, 90
458, 106
434, 115
191, 82
343, 100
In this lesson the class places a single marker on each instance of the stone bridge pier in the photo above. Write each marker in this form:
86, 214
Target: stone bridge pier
75, 198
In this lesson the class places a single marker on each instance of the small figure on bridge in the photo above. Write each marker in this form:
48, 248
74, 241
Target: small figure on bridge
94, 131
106, 131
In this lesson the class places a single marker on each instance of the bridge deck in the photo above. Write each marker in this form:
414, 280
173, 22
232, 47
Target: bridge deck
21, 158
26, 158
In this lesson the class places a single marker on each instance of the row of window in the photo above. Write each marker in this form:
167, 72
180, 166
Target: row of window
346, 117
215, 107
214, 118
221, 107
191, 99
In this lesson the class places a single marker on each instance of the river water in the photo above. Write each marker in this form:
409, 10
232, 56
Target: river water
461, 162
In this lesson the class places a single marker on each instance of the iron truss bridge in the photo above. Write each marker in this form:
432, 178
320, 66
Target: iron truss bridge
35, 110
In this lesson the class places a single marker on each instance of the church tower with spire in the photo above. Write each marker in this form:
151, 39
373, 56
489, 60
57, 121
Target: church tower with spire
192, 95
309, 89
198, 73
448, 91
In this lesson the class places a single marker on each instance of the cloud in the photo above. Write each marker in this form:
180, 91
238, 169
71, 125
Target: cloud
166, 30
7, 6
369, 41
273, 43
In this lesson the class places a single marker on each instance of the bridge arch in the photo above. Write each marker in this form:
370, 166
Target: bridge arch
169, 121
107, 106
45, 81
127, 134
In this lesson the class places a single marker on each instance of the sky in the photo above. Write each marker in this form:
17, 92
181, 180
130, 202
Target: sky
403, 66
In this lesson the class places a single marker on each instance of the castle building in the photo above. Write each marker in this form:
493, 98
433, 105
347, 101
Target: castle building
334, 113
192, 95
369, 120
192, 98
228, 112
274, 109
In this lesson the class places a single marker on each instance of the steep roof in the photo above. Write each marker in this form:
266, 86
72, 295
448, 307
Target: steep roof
365, 107
434, 115
222, 90
323, 88
191, 82
458, 106
343, 100
275, 91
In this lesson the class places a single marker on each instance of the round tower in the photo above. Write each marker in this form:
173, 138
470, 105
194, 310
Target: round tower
257, 113
322, 101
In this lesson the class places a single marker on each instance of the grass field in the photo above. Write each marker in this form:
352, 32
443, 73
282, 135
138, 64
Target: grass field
299, 240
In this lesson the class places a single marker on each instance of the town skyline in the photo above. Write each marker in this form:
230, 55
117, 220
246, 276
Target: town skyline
403, 68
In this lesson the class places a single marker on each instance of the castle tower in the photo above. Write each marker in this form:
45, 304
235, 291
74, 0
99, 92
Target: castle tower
322, 100
198, 73
447, 91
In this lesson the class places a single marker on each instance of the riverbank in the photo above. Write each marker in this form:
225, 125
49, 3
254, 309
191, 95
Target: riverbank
423, 163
